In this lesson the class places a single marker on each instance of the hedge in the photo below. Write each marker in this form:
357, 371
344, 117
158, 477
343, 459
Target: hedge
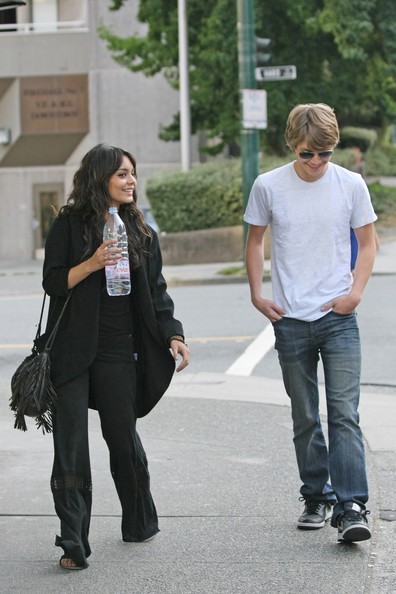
383, 198
362, 138
206, 197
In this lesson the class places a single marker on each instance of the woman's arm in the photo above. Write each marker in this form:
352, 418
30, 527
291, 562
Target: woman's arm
59, 274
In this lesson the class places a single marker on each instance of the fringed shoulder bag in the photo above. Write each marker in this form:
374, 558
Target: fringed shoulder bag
33, 394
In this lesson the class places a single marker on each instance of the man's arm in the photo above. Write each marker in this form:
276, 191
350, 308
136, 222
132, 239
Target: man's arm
255, 271
367, 250
364, 266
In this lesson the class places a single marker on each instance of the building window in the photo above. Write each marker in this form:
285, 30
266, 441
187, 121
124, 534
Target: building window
8, 17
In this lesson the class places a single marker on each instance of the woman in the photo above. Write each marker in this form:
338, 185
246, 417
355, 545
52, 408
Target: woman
115, 354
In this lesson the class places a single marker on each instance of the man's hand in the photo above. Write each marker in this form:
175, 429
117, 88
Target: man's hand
269, 309
342, 305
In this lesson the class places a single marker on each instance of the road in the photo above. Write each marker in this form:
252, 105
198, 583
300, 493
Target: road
220, 324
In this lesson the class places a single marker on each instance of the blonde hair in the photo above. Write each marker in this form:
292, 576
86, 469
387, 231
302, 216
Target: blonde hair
312, 123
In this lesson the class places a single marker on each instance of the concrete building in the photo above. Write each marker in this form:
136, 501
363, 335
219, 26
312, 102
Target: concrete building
60, 94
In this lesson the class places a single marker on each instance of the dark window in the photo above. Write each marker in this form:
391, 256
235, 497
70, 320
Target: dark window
8, 17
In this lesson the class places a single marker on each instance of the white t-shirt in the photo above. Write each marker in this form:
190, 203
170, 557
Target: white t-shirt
310, 234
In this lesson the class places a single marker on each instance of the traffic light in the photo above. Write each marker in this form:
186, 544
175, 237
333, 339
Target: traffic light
262, 57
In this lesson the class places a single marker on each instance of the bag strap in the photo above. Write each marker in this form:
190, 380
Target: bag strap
38, 333
51, 338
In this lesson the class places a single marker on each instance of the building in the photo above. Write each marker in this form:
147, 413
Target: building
60, 94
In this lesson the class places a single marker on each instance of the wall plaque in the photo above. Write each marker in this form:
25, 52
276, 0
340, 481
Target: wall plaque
54, 104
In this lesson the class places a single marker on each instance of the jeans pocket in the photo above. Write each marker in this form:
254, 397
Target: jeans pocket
277, 322
342, 315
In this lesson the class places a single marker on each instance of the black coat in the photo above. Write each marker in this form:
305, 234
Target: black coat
76, 343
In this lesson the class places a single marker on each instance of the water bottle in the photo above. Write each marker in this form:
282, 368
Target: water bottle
118, 278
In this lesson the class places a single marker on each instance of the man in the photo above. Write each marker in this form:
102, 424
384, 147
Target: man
310, 205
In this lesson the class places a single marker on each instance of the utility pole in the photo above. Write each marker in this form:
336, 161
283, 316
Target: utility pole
184, 88
247, 62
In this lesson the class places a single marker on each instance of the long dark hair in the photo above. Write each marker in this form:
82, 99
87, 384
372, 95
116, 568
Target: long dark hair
90, 199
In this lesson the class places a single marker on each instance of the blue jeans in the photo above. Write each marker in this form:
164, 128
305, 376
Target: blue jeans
336, 473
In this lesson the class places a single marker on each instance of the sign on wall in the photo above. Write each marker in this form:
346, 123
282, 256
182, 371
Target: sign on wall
54, 104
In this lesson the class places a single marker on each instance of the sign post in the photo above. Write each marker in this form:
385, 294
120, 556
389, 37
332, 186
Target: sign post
250, 142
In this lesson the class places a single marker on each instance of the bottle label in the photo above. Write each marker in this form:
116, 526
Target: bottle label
122, 266
119, 270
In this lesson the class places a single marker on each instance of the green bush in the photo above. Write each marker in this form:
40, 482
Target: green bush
383, 198
209, 196
380, 162
360, 137
344, 158
206, 197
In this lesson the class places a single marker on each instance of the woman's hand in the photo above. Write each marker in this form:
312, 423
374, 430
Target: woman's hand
105, 255
180, 348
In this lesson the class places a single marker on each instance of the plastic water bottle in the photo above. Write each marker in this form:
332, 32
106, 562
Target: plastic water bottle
118, 277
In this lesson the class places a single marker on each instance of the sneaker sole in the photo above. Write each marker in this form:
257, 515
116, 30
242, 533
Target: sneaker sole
355, 534
314, 525
306, 526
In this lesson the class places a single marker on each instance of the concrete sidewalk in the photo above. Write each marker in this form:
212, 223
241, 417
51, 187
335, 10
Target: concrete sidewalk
225, 483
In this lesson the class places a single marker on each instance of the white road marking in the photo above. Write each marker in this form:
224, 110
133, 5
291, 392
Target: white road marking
253, 354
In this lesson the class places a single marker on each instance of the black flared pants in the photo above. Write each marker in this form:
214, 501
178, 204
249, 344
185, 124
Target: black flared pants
111, 382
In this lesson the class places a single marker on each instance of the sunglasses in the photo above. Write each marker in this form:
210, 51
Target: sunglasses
309, 154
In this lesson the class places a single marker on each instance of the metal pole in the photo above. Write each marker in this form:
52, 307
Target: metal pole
247, 62
185, 116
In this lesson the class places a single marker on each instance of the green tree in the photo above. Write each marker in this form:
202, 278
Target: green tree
345, 54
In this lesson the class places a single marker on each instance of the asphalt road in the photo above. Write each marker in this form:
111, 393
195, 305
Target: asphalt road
220, 323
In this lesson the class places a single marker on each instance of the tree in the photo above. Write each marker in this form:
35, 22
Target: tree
345, 54
212, 55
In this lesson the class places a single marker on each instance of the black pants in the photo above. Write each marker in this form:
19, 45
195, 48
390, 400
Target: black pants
111, 382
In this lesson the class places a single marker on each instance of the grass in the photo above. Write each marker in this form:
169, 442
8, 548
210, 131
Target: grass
233, 271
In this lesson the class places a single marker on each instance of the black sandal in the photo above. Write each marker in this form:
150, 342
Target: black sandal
71, 567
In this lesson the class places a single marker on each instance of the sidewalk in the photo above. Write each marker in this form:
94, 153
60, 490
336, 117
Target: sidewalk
225, 483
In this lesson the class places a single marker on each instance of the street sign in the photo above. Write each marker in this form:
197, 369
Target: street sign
276, 73
254, 109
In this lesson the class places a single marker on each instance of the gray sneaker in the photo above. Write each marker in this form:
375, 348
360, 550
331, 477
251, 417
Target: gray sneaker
352, 524
315, 514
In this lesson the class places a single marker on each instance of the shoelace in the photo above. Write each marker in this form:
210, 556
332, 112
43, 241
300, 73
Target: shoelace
313, 506
351, 514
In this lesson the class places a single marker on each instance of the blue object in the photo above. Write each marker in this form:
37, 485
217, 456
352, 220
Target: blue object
354, 249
